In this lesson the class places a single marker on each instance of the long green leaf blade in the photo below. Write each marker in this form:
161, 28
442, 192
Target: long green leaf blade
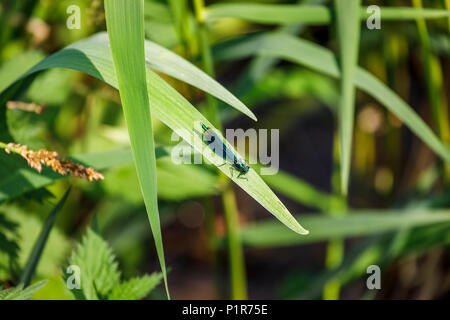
125, 24
167, 62
167, 105
299, 190
21, 293
35, 255
322, 60
308, 14
347, 16
359, 223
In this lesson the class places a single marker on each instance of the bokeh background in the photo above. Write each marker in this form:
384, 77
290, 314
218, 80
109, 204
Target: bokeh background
391, 168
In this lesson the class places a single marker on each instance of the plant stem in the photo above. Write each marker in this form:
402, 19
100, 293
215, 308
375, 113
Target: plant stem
10, 148
207, 60
213, 240
181, 21
237, 263
41, 241
434, 84
335, 247
447, 6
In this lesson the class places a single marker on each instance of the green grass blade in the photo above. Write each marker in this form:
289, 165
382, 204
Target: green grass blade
299, 190
270, 13
167, 62
39, 245
173, 65
322, 60
308, 14
359, 223
433, 80
348, 29
447, 6
407, 13
260, 66
125, 24
21, 293
167, 105
237, 263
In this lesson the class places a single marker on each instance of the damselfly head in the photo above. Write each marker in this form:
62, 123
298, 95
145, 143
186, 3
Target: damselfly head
242, 166
204, 127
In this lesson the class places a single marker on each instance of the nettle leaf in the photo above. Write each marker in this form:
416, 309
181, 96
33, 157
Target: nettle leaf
136, 288
9, 247
20, 293
21, 239
99, 272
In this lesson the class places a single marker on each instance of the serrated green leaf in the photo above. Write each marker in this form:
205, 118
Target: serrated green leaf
136, 288
98, 269
28, 230
20, 293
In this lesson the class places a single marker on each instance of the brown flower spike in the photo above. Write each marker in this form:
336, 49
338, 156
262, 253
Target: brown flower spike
31, 107
41, 157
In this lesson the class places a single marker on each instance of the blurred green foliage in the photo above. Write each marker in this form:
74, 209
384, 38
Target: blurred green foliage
394, 173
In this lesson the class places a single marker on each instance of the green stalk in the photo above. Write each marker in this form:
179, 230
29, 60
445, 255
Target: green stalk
335, 248
447, 6
348, 29
237, 263
41, 241
213, 241
8, 148
433, 78
207, 60
181, 20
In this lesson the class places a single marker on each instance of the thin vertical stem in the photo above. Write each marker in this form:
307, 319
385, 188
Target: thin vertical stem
434, 84
237, 263
213, 241
447, 6
207, 60
335, 247
348, 32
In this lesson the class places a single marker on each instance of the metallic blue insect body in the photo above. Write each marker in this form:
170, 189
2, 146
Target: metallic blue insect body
221, 149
